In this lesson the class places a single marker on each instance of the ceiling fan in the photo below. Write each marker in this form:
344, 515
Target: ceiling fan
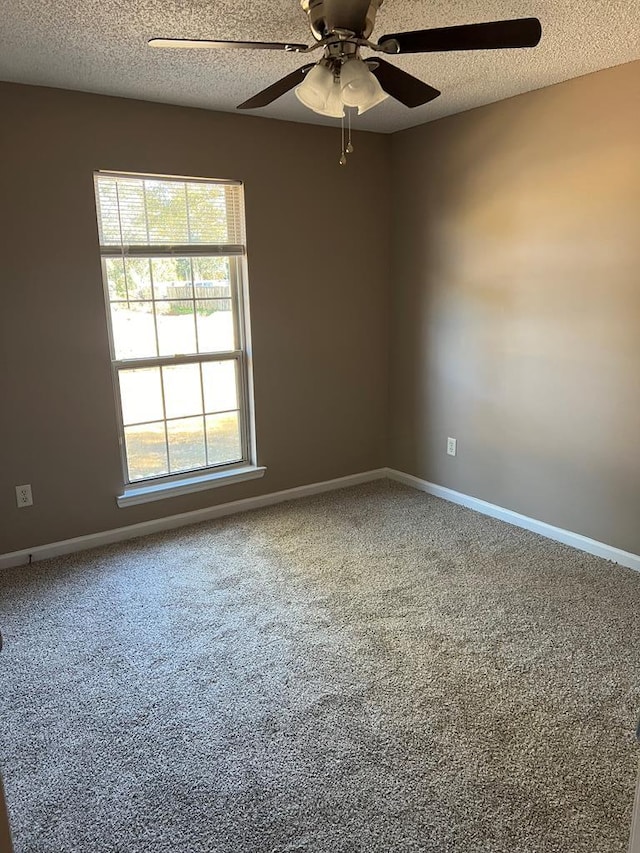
341, 78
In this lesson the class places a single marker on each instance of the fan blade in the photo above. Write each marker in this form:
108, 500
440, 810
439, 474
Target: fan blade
402, 86
281, 87
241, 45
523, 32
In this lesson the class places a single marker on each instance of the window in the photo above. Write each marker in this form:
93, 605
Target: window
172, 254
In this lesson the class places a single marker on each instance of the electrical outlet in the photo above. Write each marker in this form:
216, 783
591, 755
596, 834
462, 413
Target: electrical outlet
452, 446
24, 496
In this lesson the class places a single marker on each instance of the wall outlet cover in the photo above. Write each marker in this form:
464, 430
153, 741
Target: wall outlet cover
452, 446
24, 496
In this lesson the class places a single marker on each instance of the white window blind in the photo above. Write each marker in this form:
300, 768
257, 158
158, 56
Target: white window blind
141, 212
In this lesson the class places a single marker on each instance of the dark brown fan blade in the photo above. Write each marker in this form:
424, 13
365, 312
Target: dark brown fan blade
496, 35
281, 87
402, 86
238, 45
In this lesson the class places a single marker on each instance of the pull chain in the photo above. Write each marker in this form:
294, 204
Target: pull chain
343, 154
349, 148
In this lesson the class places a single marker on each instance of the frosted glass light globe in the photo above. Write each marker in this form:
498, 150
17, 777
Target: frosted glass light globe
359, 86
316, 87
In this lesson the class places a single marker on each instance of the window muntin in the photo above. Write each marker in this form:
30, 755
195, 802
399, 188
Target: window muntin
172, 260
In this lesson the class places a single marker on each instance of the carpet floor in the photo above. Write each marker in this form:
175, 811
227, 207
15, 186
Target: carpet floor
367, 670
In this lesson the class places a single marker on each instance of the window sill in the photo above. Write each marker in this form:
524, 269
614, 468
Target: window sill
143, 494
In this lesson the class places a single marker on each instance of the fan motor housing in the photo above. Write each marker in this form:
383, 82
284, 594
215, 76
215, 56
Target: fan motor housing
353, 16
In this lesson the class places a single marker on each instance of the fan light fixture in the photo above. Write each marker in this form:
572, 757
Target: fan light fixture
328, 94
341, 29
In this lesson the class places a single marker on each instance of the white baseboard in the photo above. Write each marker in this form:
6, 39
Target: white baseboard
576, 540
133, 531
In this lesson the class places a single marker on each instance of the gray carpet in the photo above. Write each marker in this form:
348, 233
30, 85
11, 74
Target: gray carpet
369, 670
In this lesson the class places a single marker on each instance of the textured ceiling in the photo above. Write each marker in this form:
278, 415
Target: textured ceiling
100, 46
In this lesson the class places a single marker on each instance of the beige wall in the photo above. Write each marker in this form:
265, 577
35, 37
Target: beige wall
318, 241
516, 304
514, 301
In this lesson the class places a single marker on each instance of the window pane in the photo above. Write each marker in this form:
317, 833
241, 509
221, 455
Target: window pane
212, 272
172, 278
116, 280
186, 444
138, 278
223, 438
128, 278
146, 451
141, 395
219, 381
216, 331
176, 328
134, 334
182, 390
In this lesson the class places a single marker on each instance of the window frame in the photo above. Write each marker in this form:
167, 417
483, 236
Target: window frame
211, 475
